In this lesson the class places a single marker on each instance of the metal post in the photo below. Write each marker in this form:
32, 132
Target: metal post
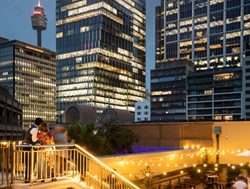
217, 148
7, 162
31, 164
12, 163
217, 131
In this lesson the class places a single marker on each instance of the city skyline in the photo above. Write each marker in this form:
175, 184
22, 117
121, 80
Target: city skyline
13, 9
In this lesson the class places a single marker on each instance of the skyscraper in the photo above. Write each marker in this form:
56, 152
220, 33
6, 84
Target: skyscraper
169, 90
28, 72
210, 33
100, 53
216, 94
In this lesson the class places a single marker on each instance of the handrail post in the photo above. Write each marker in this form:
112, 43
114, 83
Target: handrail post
31, 164
12, 162
7, 162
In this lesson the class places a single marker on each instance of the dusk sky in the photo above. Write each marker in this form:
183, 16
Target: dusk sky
15, 23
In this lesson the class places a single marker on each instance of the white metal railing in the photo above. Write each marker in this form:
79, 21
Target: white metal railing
5, 164
46, 162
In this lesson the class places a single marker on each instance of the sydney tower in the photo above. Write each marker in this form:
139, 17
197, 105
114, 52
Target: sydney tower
39, 22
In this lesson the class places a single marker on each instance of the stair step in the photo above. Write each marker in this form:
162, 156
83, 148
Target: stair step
59, 184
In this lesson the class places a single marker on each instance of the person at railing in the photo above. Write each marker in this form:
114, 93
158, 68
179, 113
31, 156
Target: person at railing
31, 139
61, 137
46, 170
31, 134
240, 183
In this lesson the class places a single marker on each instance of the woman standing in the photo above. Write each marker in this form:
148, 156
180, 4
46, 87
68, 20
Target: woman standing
46, 138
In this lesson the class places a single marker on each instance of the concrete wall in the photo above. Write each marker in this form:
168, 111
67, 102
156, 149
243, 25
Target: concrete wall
235, 134
173, 134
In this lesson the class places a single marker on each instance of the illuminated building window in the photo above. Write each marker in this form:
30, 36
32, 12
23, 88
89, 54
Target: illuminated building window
225, 76
60, 34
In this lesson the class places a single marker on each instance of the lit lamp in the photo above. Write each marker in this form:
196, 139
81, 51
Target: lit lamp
217, 131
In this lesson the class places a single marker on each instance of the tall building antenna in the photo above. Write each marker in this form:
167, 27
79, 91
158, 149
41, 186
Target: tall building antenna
38, 3
39, 22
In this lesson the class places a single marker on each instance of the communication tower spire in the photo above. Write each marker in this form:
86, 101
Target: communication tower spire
39, 22
38, 3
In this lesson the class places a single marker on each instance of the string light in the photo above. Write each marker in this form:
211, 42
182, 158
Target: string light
182, 156
179, 157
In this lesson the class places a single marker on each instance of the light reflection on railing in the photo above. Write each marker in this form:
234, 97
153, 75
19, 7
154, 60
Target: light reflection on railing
46, 162
5, 176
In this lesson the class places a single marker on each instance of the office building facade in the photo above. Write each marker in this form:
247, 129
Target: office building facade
169, 91
100, 53
180, 93
10, 116
210, 33
216, 95
28, 72
246, 80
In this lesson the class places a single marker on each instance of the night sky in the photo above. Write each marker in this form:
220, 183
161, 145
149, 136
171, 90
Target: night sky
15, 23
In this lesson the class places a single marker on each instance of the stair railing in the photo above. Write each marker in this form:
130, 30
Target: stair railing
47, 162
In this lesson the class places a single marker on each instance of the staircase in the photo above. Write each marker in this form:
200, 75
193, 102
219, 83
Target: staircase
60, 184
71, 165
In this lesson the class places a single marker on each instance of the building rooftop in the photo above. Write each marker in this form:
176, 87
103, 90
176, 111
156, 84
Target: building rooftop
4, 41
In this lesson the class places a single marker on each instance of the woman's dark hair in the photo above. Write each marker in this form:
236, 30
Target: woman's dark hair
44, 127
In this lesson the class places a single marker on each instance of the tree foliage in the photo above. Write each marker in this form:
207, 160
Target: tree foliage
103, 141
120, 139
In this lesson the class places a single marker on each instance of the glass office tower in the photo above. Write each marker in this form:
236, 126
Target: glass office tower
210, 33
100, 53
169, 90
28, 72
216, 94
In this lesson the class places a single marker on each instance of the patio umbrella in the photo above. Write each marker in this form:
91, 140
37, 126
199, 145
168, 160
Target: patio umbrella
246, 153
